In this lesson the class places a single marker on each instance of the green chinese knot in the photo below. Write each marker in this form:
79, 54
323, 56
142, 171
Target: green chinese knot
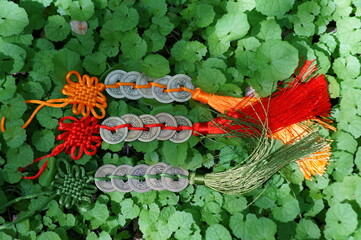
73, 185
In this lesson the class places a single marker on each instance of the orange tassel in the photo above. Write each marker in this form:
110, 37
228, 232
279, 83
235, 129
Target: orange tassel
221, 103
313, 164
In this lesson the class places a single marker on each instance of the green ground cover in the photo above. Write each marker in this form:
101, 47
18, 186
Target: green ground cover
224, 46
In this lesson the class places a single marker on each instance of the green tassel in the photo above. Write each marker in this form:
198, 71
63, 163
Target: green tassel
261, 165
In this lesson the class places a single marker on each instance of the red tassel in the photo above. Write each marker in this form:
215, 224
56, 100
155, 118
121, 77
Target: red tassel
300, 100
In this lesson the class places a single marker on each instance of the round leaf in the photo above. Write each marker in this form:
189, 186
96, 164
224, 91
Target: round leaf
13, 18
276, 60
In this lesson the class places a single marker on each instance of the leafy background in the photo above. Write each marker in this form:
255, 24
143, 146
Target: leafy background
224, 46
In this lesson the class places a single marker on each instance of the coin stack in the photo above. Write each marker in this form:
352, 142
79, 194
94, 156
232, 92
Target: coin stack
138, 85
167, 130
141, 178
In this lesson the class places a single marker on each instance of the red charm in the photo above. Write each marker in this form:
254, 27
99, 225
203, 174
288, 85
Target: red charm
80, 136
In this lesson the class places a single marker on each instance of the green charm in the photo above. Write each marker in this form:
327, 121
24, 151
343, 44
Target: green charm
73, 185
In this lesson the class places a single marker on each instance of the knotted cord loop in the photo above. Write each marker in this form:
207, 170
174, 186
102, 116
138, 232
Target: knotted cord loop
85, 95
73, 185
80, 136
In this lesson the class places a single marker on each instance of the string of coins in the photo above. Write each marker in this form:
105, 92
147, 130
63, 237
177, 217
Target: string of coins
141, 178
244, 177
134, 85
146, 128
305, 97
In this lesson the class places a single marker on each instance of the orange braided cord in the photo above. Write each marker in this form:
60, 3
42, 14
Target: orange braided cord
2, 124
315, 163
85, 95
135, 86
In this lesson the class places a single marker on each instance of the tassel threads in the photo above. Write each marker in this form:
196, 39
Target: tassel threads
260, 166
315, 163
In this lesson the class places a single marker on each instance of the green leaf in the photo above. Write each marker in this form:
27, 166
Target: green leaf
129, 210
133, 46
95, 63
15, 136
217, 232
7, 88
306, 29
350, 189
175, 153
210, 79
81, 10
341, 221
65, 61
109, 48
232, 26
276, 60
358, 158
241, 6
14, 108
43, 140
307, 229
180, 221
48, 117
13, 18
67, 220
155, 66
333, 87
345, 141
211, 212
45, 3
237, 225
84, 45
42, 61
270, 30
234, 204
275, 7
204, 15
287, 211
155, 7
308, 10
216, 46
261, 228
144, 198
126, 18
20, 156
168, 198
5, 236
155, 41
11, 174
349, 103
98, 215
145, 147
188, 51
56, 29
351, 124
347, 67
33, 90
164, 26
15, 52
48, 235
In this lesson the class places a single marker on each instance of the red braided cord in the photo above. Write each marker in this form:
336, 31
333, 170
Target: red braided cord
79, 137
82, 136
147, 127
